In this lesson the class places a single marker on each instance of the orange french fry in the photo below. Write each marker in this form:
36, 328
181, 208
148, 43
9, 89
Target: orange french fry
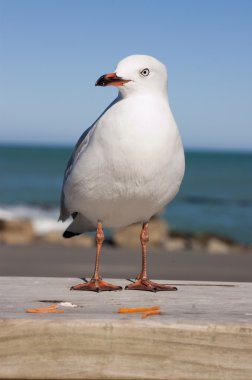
138, 309
50, 311
150, 313
46, 309
51, 307
35, 311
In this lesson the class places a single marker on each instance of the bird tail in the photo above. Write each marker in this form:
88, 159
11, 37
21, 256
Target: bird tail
78, 226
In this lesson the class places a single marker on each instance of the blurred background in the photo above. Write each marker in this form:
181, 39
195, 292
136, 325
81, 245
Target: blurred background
52, 52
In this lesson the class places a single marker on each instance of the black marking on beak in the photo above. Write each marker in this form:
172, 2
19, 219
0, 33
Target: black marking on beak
110, 79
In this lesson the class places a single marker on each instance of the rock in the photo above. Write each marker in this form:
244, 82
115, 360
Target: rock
130, 236
16, 231
195, 245
216, 245
205, 238
159, 231
175, 244
55, 237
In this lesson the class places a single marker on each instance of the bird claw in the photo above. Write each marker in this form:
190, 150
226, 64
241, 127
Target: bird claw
148, 285
96, 285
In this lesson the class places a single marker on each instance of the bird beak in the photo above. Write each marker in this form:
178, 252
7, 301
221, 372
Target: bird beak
111, 79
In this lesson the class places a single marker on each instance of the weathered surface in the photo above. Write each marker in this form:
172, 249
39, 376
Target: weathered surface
204, 332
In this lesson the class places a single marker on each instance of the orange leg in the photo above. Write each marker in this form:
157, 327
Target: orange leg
142, 282
96, 284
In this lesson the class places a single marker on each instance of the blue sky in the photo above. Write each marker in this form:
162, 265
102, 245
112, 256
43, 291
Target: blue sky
53, 51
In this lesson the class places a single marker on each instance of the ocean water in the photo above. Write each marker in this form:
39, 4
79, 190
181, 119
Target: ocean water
215, 197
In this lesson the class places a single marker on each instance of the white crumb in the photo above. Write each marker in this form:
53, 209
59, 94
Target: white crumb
67, 304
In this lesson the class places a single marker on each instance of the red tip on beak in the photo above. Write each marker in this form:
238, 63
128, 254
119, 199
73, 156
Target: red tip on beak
111, 79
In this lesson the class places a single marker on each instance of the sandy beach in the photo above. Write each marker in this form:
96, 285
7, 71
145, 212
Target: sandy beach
47, 260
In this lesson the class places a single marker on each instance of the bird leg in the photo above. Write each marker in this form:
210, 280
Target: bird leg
96, 284
142, 282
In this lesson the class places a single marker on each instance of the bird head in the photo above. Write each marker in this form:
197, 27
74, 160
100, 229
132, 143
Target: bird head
136, 74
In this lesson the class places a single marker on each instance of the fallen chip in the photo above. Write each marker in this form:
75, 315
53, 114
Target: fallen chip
138, 309
150, 313
46, 309
68, 304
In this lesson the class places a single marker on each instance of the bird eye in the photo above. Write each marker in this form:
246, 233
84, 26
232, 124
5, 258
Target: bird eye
145, 72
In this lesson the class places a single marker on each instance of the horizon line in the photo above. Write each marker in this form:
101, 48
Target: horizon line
71, 146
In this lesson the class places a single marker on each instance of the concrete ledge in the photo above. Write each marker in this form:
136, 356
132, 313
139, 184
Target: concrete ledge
204, 332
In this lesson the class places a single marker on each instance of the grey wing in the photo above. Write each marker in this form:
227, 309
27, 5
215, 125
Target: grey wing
79, 147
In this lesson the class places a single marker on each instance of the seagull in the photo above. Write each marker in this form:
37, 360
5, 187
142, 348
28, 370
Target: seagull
126, 166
